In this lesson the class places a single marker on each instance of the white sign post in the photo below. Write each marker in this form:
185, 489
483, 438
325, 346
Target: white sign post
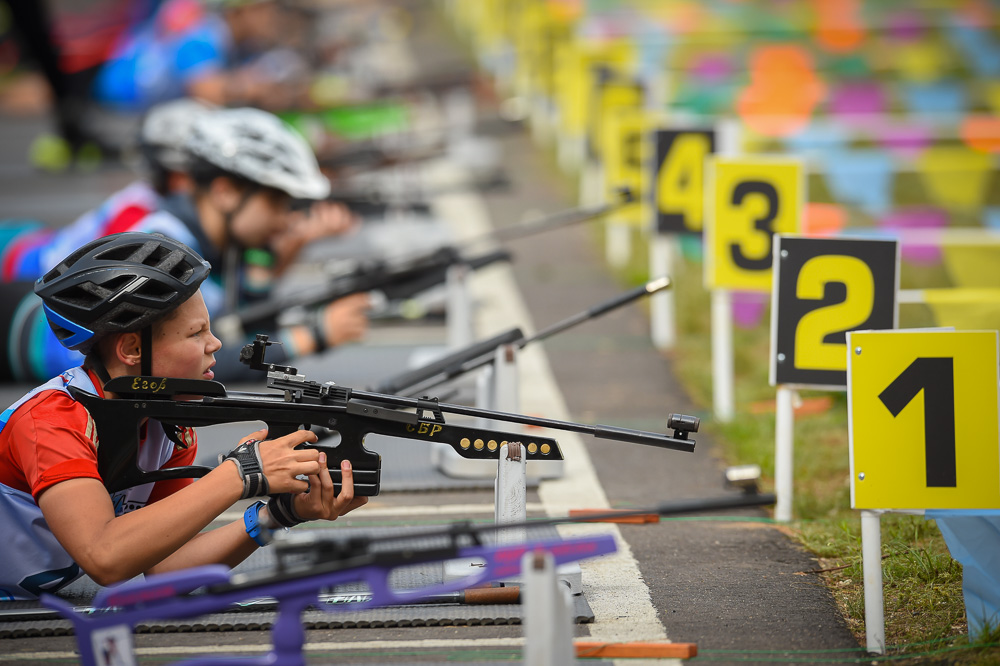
924, 434
822, 287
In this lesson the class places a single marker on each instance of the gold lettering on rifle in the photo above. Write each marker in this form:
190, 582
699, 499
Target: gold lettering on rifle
424, 429
147, 386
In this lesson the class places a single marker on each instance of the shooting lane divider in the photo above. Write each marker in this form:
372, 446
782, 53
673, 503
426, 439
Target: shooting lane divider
924, 435
748, 199
822, 287
459, 321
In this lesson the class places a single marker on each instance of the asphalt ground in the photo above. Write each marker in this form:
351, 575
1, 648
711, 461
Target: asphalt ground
740, 589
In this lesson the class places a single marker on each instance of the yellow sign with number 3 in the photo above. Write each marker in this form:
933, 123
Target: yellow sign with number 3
923, 419
747, 202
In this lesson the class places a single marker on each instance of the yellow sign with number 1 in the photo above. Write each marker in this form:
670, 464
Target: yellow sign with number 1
923, 419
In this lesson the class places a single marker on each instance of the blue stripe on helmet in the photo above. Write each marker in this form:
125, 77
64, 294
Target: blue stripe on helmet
80, 335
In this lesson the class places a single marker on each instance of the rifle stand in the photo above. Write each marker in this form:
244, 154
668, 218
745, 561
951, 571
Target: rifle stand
511, 507
546, 614
459, 307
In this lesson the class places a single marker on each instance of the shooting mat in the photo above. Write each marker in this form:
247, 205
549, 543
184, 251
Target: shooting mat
20, 619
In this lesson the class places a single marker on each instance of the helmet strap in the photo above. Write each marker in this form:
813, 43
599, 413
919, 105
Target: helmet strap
146, 351
231, 277
229, 216
93, 362
233, 251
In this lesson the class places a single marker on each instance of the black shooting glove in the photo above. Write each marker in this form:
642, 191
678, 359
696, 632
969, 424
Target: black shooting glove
251, 468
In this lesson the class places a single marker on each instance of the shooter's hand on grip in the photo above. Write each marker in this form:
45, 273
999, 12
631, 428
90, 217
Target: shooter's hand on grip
272, 467
320, 502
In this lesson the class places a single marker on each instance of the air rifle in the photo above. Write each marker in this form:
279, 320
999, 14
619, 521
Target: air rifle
481, 353
305, 566
405, 277
372, 196
392, 149
563, 218
373, 202
624, 197
309, 562
395, 280
295, 402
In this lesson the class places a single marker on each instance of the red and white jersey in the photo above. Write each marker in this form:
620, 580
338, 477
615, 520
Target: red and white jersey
30, 254
46, 438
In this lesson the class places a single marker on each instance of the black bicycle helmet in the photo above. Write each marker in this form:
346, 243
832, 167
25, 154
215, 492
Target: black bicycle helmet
116, 284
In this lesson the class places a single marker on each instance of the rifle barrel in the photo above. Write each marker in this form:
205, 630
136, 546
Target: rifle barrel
448, 364
650, 287
608, 432
681, 507
369, 196
481, 353
556, 220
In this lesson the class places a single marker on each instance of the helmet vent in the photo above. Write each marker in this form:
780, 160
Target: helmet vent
86, 295
154, 255
124, 317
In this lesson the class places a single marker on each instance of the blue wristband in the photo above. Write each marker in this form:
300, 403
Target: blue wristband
251, 518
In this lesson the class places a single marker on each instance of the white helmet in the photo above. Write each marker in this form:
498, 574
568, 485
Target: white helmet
166, 128
258, 146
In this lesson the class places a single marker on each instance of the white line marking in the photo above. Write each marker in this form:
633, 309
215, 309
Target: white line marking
614, 587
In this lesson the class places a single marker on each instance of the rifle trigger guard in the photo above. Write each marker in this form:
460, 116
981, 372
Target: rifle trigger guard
430, 405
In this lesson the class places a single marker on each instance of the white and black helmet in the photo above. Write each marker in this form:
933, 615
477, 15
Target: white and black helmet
259, 147
166, 129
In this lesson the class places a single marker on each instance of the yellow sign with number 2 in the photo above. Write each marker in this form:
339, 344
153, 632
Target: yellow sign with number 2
923, 419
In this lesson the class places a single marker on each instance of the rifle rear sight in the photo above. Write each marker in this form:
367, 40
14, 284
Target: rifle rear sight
252, 354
